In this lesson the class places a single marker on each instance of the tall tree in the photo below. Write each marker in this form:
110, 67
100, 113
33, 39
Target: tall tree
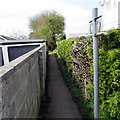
46, 26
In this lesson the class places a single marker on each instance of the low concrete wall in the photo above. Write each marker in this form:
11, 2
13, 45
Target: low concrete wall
22, 85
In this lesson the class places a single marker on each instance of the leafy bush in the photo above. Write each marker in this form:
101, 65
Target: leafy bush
64, 53
82, 70
111, 40
82, 64
64, 49
110, 83
109, 76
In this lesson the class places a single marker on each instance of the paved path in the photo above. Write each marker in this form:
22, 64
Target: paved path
61, 104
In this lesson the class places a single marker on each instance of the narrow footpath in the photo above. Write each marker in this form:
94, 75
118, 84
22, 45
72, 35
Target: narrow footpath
61, 103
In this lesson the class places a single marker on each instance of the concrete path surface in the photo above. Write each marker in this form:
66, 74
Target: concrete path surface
61, 103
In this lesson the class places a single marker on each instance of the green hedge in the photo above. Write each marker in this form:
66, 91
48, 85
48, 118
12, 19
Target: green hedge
110, 83
109, 73
64, 49
111, 40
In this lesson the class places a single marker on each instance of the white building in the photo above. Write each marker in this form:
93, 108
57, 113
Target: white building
76, 35
111, 14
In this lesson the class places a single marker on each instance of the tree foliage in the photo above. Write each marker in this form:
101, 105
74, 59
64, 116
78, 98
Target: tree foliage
46, 26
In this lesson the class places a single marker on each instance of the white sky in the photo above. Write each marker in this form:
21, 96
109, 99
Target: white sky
15, 14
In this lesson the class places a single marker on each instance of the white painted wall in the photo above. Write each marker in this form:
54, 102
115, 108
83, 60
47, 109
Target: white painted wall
111, 14
119, 14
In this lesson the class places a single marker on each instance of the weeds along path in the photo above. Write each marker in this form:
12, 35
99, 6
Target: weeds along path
61, 104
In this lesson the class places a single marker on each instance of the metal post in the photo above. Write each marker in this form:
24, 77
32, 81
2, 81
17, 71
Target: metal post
96, 63
5, 54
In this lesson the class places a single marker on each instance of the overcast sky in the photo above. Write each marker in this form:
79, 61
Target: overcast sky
15, 14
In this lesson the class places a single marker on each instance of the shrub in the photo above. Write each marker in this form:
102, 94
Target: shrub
109, 83
81, 65
111, 40
64, 49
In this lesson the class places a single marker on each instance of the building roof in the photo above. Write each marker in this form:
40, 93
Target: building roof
6, 42
4, 38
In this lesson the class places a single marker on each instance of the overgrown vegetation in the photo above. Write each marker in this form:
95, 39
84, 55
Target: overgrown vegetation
82, 64
110, 83
77, 59
64, 48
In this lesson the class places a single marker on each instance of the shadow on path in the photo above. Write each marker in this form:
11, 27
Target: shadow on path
61, 104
